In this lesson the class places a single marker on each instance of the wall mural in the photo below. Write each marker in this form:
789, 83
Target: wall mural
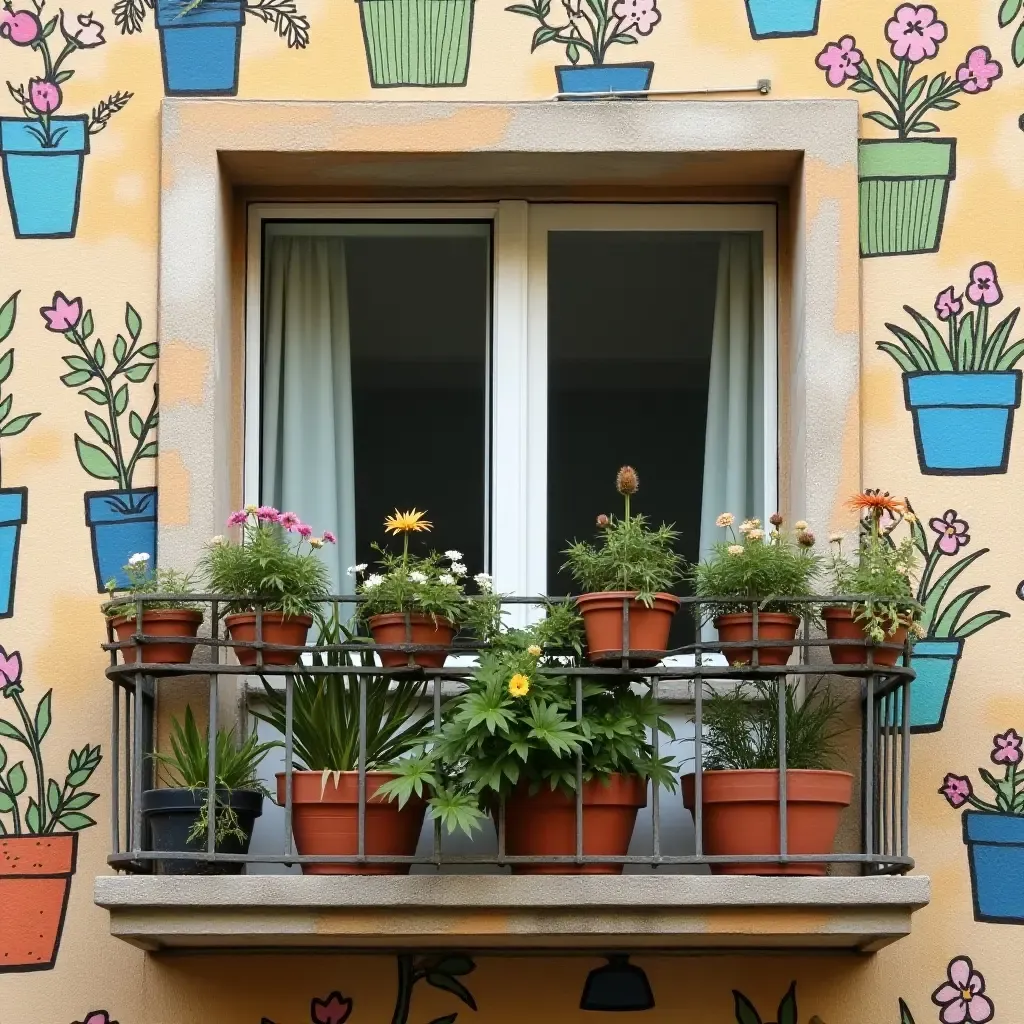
778, 19
122, 520
43, 152
747, 1014
97, 1017
961, 390
904, 182
1009, 13
38, 834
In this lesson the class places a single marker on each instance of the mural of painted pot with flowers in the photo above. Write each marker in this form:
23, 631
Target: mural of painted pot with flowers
44, 151
904, 182
959, 378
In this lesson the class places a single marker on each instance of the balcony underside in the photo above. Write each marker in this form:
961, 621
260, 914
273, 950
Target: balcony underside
476, 912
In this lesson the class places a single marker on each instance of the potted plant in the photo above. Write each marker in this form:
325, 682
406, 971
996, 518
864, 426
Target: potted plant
961, 389
44, 152
592, 27
904, 182
883, 573
760, 571
178, 815
740, 776
631, 566
325, 781
994, 832
275, 584
778, 19
39, 839
175, 619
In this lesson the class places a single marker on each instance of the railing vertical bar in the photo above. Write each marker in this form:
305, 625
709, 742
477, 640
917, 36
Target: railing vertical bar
883, 790
905, 764
211, 772
137, 754
362, 766
698, 750
289, 758
437, 731
655, 787
129, 772
890, 725
579, 772
868, 781
625, 632
115, 770
783, 771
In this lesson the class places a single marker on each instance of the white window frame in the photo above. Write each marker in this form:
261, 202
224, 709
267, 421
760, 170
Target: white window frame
516, 514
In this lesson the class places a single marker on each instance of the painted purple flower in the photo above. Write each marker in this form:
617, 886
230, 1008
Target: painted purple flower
238, 518
984, 287
44, 96
948, 304
10, 673
268, 514
956, 789
335, 1009
290, 521
915, 32
21, 27
979, 70
952, 532
63, 315
1006, 748
961, 996
840, 61
642, 15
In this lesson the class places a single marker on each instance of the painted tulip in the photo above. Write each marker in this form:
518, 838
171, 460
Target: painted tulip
21, 27
89, 34
63, 315
44, 96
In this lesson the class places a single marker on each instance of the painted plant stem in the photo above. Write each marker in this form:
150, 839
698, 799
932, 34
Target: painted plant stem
9, 426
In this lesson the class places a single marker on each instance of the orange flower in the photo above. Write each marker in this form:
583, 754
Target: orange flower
407, 522
876, 503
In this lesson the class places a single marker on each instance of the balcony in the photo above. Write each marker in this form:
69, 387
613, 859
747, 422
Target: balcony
667, 891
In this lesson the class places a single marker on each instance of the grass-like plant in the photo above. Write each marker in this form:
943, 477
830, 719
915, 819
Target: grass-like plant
144, 580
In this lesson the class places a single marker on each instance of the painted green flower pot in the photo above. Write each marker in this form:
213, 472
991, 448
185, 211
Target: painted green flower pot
417, 42
904, 185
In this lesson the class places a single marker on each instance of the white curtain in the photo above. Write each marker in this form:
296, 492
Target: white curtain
308, 461
734, 443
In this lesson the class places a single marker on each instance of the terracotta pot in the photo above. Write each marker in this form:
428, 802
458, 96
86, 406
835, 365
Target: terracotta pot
390, 629
289, 631
648, 627
325, 821
35, 881
740, 816
840, 624
544, 823
178, 622
775, 626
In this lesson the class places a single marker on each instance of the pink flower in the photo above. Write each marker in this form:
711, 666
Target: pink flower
21, 27
915, 32
304, 531
840, 61
238, 518
89, 34
329, 537
979, 70
290, 521
957, 790
97, 1017
10, 673
952, 532
947, 304
335, 1009
63, 315
961, 997
44, 96
984, 287
642, 15
1006, 748
268, 514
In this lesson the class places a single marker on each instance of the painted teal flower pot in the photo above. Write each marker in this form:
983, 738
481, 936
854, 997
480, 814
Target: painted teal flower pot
934, 662
44, 186
13, 513
995, 853
589, 78
777, 19
200, 49
962, 421
122, 523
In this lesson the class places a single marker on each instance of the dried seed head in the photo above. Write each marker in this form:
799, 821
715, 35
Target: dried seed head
776, 519
603, 521
626, 481
805, 539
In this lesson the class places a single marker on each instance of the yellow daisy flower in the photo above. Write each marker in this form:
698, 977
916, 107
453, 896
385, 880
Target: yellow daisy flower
519, 685
407, 522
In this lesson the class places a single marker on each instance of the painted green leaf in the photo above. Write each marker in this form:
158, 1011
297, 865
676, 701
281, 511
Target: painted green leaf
453, 985
924, 127
73, 821
965, 341
149, 451
80, 800
978, 622
12, 732
95, 462
72, 380
86, 327
906, 364
787, 1008
132, 321
937, 84
120, 348
135, 424
883, 119
3, 759
99, 426
1011, 356
52, 796
94, 395
6, 803
543, 35
455, 965
914, 346
139, 372
150, 351
6, 365
996, 344
44, 715
121, 399
946, 622
745, 1012
859, 86
936, 343
8, 314
62, 76
79, 777
572, 53
5, 407
99, 354
945, 104
530, 12
17, 780
937, 592
889, 78
78, 363
1008, 10
913, 95
32, 820
1017, 47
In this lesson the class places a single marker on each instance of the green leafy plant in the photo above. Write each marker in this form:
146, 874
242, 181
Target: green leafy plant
10, 425
746, 1013
629, 555
144, 580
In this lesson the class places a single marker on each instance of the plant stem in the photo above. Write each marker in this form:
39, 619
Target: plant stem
901, 98
143, 434
403, 998
927, 104
981, 336
122, 476
37, 758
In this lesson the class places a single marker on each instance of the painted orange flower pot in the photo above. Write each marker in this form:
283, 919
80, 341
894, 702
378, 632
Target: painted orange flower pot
174, 623
649, 628
776, 627
277, 628
389, 628
840, 624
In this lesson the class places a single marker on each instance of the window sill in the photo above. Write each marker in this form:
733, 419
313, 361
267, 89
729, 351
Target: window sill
358, 913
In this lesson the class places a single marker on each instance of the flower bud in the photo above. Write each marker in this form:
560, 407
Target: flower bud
627, 481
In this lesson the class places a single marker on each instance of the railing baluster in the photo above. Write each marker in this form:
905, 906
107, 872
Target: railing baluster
211, 773
579, 775
655, 787
783, 773
289, 757
137, 771
115, 769
362, 767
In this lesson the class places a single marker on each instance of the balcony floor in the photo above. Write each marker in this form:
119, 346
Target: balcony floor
501, 912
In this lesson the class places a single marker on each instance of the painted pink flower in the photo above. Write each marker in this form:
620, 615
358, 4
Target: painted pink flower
915, 32
1006, 748
304, 531
840, 61
89, 34
63, 315
329, 537
979, 70
947, 304
44, 96
290, 521
10, 673
642, 15
21, 27
961, 996
97, 1017
952, 532
335, 1009
956, 789
268, 514
238, 518
984, 287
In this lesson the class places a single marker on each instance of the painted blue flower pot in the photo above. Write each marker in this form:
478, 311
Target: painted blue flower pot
44, 185
200, 49
935, 663
777, 19
995, 852
13, 513
603, 78
123, 523
962, 421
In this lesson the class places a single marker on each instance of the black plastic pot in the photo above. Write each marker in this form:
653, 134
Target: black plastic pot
171, 814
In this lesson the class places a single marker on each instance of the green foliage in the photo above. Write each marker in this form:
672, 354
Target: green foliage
431, 584
144, 580
10, 425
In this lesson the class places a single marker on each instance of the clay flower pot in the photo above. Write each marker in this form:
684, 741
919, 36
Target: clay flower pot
740, 816
288, 631
390, 628
544, 823
164, 622
325, 821
771, 626
648, 627
840, 624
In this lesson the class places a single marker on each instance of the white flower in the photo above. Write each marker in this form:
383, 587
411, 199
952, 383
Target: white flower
418, 577
800, 526
755, 534
446, 578
371, 581
836, 538
353, 570
218, 540
483, 581
735, 549
458, 569
140, 558
725, 519
749, 524
455, 556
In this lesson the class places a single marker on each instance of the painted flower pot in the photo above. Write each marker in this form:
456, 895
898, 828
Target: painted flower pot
935, 663
962, 421
35, 882
589, 78
200, 48
904, 185
44, 186
417, 42
995, 853
13, 514
123, 523
773, 19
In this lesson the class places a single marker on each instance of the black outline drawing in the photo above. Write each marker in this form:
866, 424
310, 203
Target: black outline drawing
17, 524
754, 34
972, 869
955, 659
179, 22
746, 1012
117, 495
